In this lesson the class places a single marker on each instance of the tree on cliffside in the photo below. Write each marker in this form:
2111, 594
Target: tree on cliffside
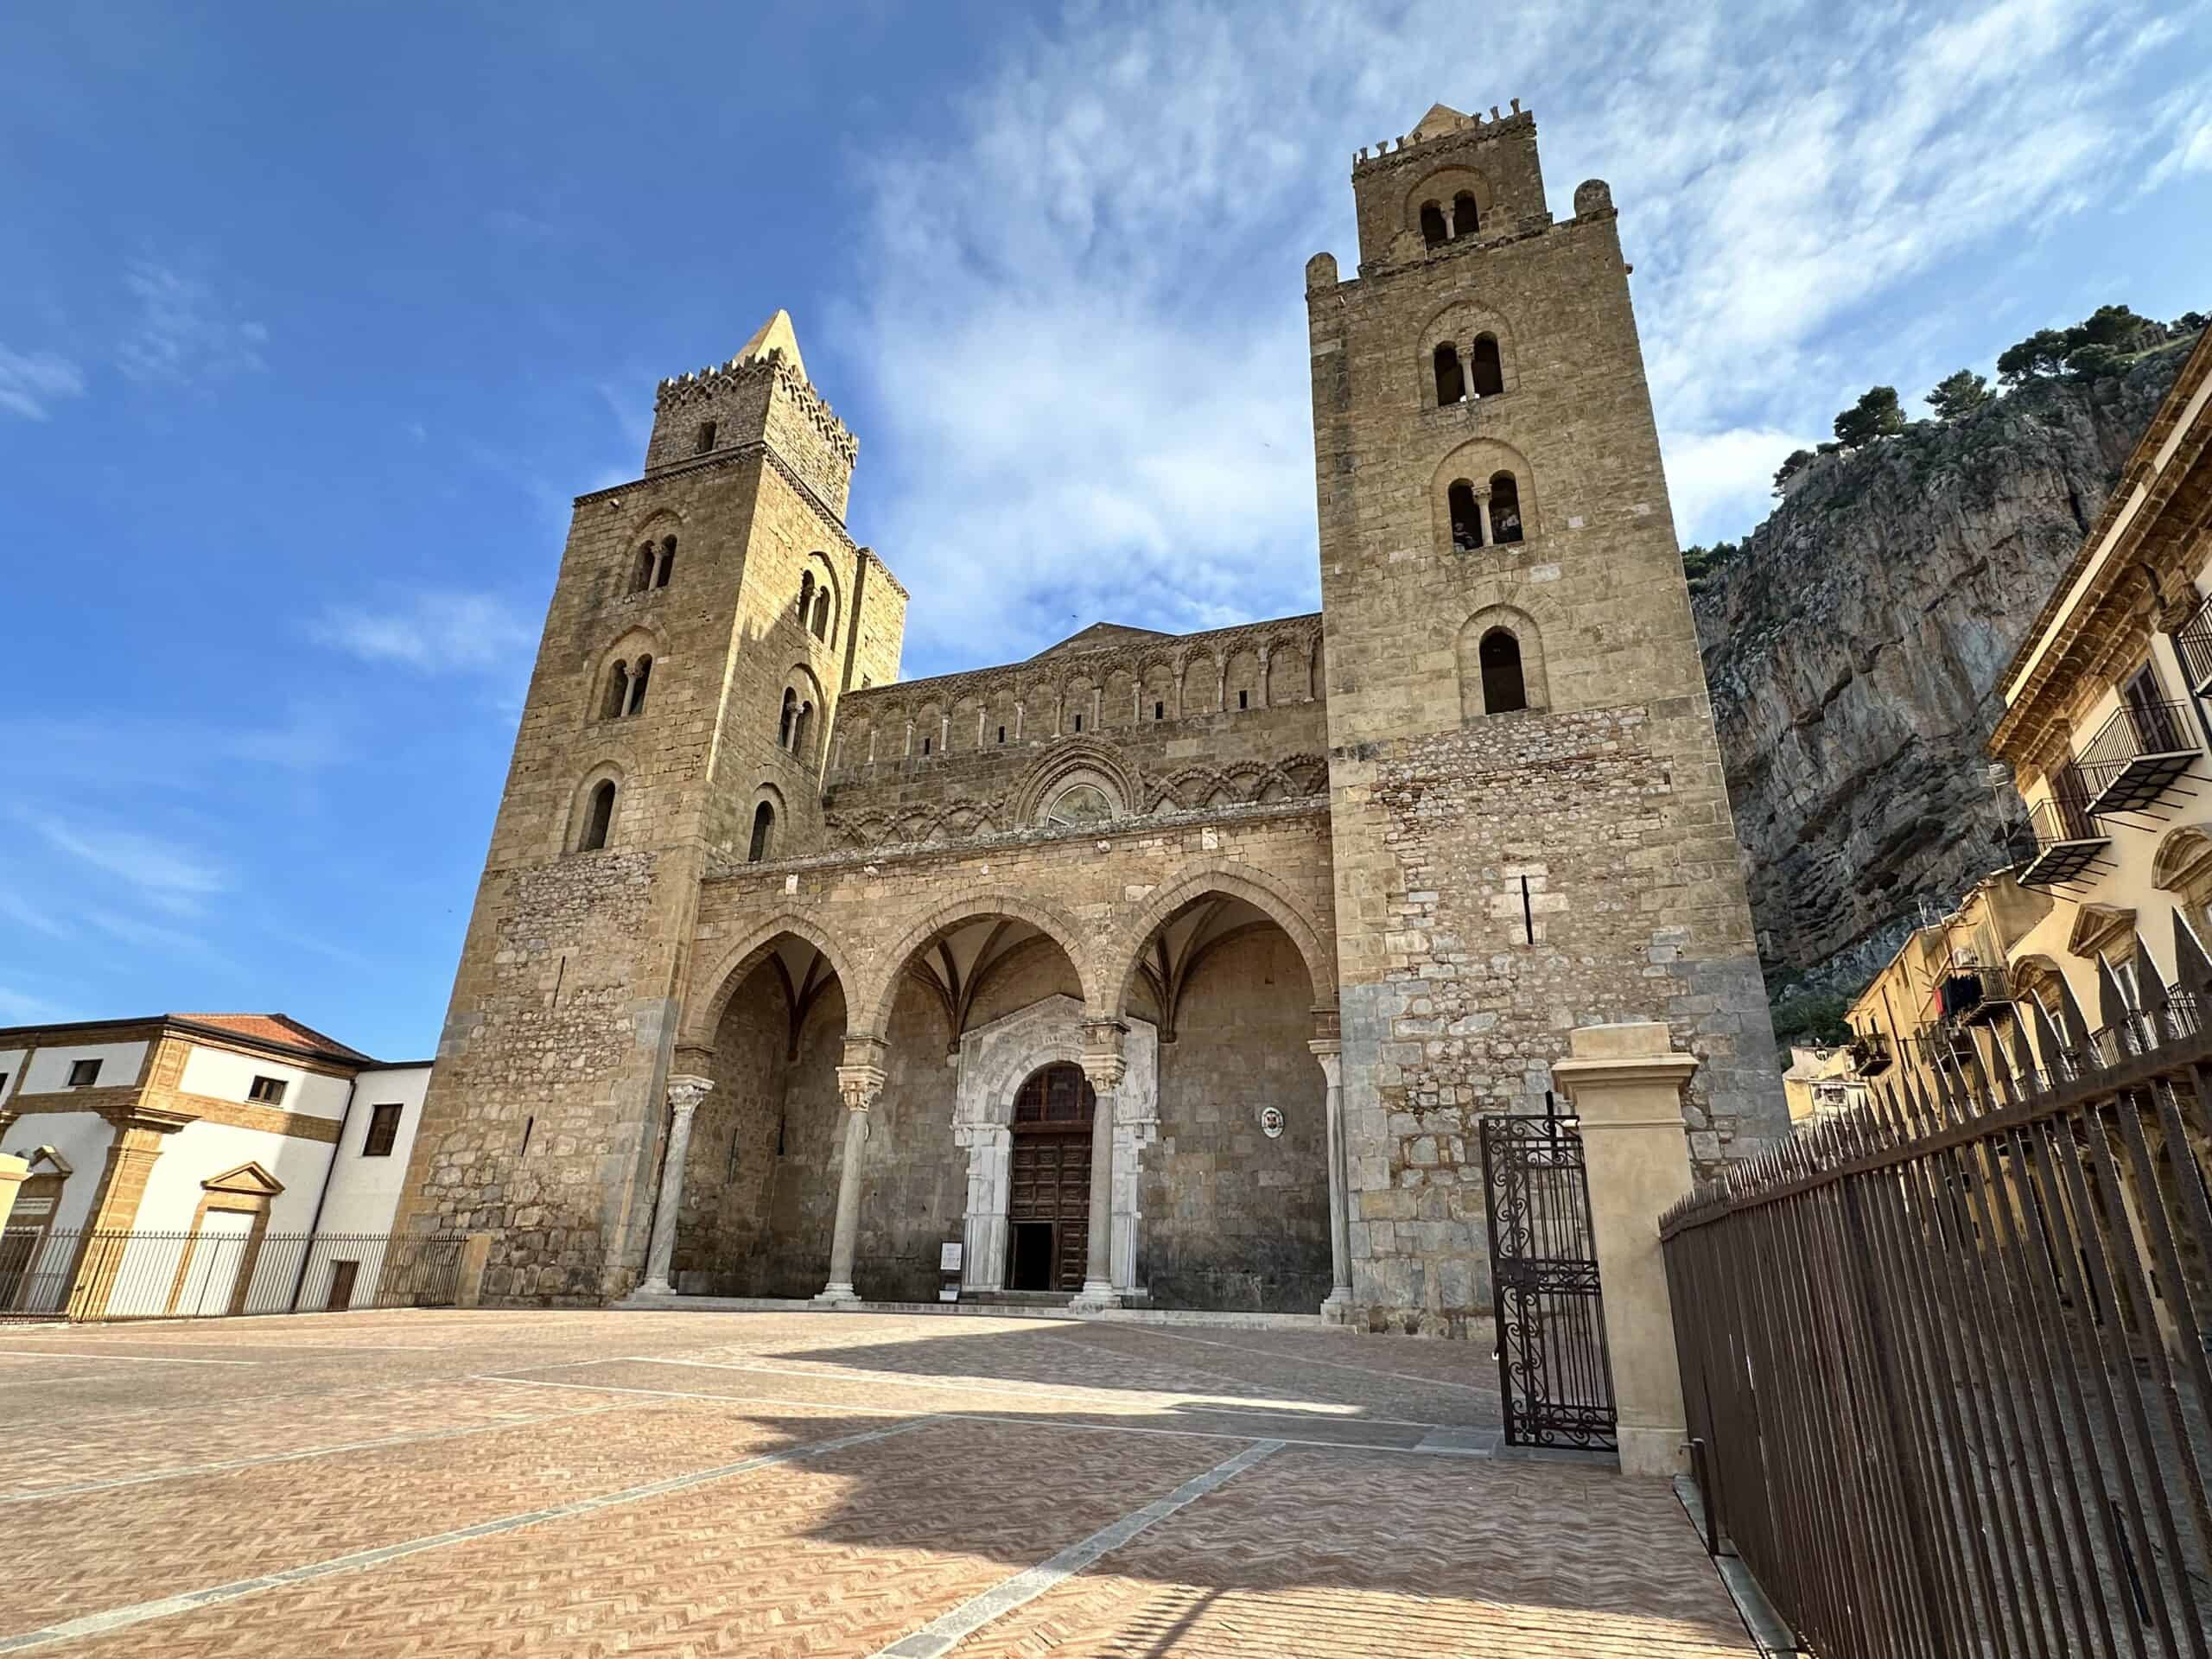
1798, 460
1876, 414
2042, 353
1959, 394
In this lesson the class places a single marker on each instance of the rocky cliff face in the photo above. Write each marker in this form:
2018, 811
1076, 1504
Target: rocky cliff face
1853, 649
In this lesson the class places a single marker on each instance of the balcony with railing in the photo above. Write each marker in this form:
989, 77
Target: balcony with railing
2193, 645
2068, 840
1972, 995
2139, 753
1870, 1053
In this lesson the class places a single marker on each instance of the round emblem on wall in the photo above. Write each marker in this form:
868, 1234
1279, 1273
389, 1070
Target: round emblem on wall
1271, 1120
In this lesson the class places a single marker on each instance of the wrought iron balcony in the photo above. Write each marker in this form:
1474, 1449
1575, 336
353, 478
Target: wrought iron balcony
1975, 996
1870, 1053
2068, 840
2138, 756
2193, 645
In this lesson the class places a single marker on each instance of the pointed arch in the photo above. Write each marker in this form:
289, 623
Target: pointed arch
871, 1008
1256, 887
711, 989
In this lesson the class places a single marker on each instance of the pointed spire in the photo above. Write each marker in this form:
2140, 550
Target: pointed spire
775, 335
1440, 119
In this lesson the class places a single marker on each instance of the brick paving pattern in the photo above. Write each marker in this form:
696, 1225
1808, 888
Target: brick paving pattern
694, 1484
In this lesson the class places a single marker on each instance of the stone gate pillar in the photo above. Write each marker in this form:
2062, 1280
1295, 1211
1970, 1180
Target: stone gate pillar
1626, 1083
860, 1080
684, 1094
1103, 1066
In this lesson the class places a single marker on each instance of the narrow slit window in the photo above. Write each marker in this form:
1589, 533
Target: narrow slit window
1488, 373
1243, 699
1503, 688
1504, 508
598, 819
821, 613
1159, 711
1450, 380
1466, 521
783, 728
1078, 722
1002, 734
706, 438
764, 825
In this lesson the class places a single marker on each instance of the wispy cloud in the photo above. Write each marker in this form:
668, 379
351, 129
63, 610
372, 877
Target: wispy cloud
20, 1008
182, 329
434, 632
29, 384
1085, 323
163, 872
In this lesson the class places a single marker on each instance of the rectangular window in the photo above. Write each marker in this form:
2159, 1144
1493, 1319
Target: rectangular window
84, 1073
268, 1091
3, 1085
384, 1129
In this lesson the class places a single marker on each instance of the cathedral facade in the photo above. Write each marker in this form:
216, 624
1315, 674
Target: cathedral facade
1175, 971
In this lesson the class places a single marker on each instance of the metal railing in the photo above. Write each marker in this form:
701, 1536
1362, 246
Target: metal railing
2193, 645
133, 1275
1946, 1356
2137, 753
2068, 840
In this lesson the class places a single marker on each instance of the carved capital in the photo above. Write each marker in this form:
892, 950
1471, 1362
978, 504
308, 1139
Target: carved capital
146, 1120
684, 1094
1328, 1024
859, 1085
1103, 1063
1330, 1052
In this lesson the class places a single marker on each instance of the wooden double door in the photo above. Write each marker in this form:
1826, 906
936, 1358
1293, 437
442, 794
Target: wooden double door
1048, 1199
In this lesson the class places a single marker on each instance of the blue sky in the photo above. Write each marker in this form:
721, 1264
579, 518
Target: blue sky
313, 319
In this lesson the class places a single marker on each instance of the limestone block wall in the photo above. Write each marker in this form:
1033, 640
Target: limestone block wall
1232, 1218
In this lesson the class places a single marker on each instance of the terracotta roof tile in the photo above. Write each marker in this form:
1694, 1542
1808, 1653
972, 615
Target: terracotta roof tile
278, 1028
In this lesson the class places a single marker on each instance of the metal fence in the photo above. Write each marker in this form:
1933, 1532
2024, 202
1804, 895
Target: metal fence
1945, 1356
133, 1275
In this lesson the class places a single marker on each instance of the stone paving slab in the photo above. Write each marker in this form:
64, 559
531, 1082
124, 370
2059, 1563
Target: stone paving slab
595, 1483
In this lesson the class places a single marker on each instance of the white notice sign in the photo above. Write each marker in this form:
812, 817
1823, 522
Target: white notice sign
947, 1259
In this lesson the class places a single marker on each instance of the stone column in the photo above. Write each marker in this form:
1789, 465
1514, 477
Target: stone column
1482, 514
684, 1094
860, 1080
1626, 1083
1104, 1065
1337, 1308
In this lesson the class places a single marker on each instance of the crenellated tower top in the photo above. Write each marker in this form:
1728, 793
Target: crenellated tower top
761, 396
1455, 179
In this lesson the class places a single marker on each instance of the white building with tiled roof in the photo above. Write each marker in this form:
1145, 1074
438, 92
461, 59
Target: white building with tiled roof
216, 1131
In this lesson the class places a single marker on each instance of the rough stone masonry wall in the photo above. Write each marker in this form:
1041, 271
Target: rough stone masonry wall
1231, 1218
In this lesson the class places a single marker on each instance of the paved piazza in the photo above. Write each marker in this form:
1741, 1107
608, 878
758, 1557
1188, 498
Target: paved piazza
598, 1484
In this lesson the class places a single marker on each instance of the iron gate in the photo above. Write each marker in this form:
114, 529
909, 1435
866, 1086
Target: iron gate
1552, 1365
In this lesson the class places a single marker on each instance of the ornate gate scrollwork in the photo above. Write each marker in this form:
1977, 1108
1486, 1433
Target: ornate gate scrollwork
1553, 1368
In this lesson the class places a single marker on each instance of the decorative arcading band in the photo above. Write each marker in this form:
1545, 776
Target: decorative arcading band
1389, 152
681, 389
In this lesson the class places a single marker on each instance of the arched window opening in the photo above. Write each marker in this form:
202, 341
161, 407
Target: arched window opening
1466, 522
641, 572
1489, 374
790, 717
1504, 508
618, 693
805, 596
599, 822
804, 719
706, 438
667, 566
1451, 382
638, 678
1504, 690
1464, 216
821, 613
764, 823
1432, 225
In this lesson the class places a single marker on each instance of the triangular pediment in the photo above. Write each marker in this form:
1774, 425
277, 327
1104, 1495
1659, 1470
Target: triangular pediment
248, 1180
2099, 928
775, 335
1100, 636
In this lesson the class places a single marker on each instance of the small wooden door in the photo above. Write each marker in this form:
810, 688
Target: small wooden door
1048, 1202
342, 1276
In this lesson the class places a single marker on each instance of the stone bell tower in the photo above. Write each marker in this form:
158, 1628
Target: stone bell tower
1531, 829
706, 620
